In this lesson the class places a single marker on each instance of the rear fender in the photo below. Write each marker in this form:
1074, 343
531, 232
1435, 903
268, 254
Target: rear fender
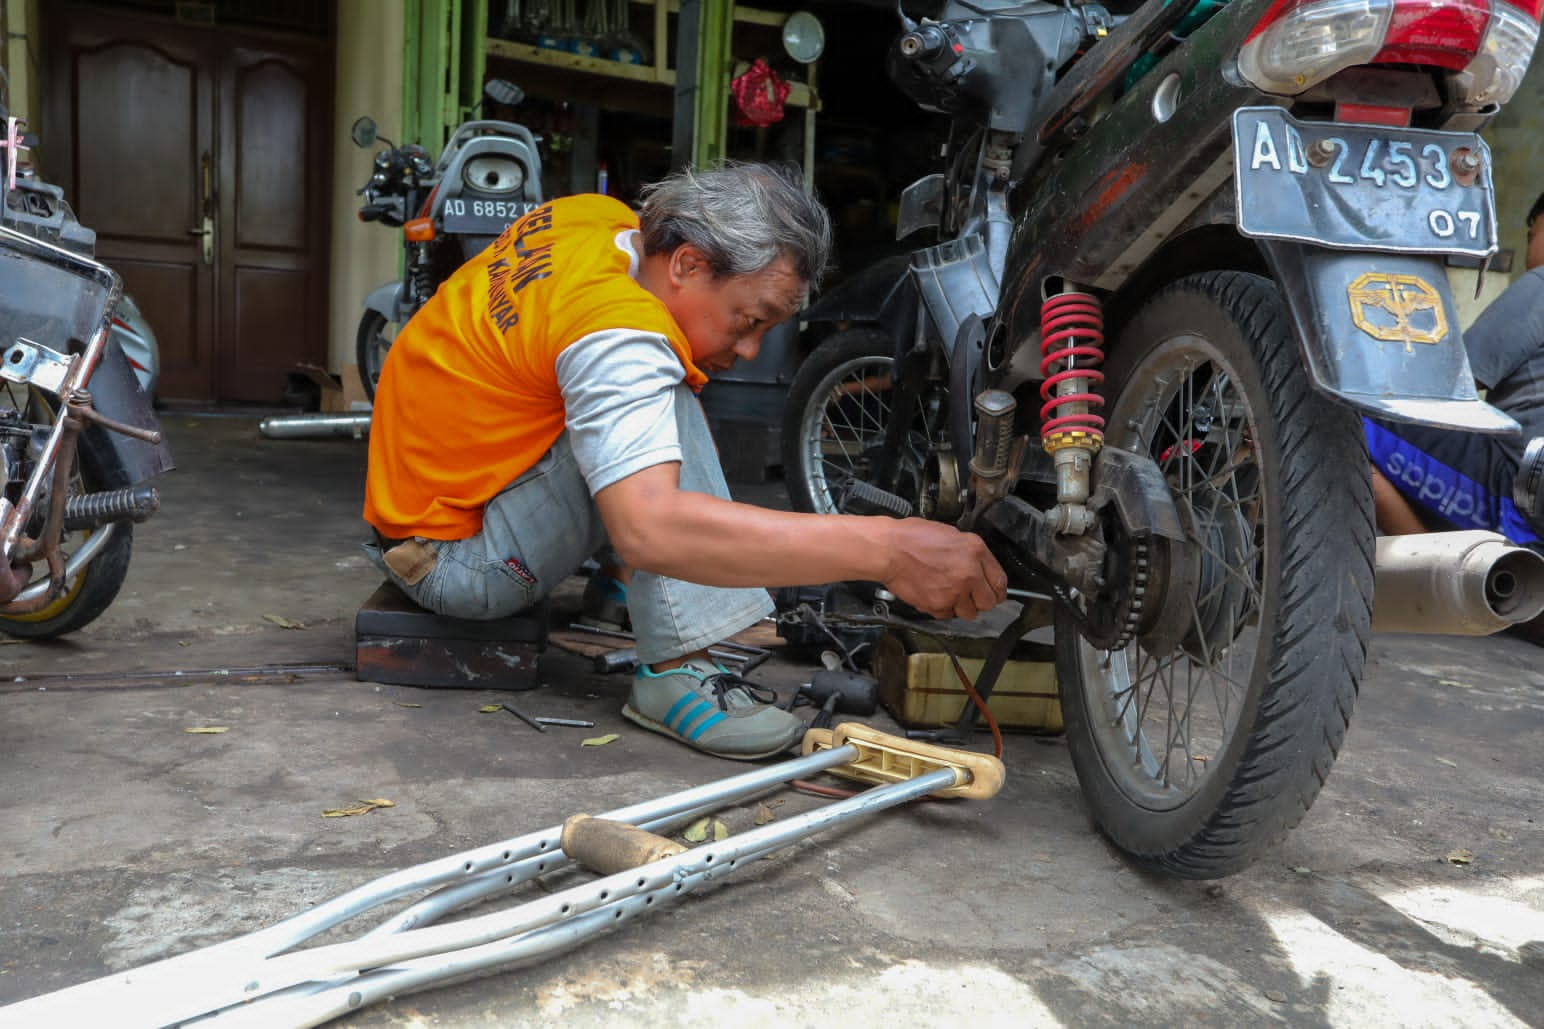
387, 301
1380, 331
115, 460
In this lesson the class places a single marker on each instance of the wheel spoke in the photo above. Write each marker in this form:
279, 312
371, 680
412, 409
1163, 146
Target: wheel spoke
1174, 712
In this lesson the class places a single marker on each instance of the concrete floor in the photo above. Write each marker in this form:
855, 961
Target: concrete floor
128, 839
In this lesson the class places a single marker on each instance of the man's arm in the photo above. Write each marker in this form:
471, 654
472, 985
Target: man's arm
656, 526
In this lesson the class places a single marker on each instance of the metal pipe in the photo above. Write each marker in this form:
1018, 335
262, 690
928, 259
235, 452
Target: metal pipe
307, 426
1468, 583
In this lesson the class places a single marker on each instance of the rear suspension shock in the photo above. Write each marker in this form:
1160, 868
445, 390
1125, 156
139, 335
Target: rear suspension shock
1071, 348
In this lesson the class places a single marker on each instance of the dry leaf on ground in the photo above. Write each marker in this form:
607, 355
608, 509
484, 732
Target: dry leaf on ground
284, 623
702, 828
361, 807
207, 730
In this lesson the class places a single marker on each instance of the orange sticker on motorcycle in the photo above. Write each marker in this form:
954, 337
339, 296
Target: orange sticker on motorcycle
1398, 309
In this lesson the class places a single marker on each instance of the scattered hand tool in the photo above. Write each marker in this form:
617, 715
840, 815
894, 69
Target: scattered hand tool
571, 723
836, 691
626, 660
527, 719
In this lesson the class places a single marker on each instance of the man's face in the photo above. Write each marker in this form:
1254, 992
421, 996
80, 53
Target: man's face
725, 318
1536, 242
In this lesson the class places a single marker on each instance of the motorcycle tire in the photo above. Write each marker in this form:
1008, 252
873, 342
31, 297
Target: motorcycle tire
83, 601
94, 588
372, 343
1206, 738
835, 416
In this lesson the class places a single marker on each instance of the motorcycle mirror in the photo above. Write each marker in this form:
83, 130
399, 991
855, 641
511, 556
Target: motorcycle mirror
363, 132
804, 38
502, 91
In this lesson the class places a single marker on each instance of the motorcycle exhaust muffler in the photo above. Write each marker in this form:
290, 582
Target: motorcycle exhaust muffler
1469, 583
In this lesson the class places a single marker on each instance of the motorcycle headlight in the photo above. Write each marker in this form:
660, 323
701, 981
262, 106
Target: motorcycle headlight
493, 175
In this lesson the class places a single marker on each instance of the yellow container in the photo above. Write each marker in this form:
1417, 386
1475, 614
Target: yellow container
919, 687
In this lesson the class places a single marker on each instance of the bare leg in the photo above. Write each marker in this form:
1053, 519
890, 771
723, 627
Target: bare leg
1393, 513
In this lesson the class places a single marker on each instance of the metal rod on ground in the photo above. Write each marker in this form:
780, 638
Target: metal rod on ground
621, 635
304, 426
626, 660
527, 719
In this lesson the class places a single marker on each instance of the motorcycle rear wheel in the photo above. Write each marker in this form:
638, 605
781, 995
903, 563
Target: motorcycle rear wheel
372, 343
1199, 745
93, 589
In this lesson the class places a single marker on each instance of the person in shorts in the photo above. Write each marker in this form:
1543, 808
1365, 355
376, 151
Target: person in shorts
1428, 479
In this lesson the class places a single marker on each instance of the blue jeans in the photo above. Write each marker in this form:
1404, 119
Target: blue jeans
544, 525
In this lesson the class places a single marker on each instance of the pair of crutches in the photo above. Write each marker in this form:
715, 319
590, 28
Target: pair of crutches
261, 980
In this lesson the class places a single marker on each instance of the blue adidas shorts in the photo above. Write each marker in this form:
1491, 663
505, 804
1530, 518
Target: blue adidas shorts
1424, 464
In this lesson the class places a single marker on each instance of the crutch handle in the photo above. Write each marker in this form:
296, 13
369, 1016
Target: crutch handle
607, 847
883, 758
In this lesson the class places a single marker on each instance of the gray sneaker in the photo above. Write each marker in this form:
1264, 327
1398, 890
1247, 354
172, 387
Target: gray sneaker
713, 710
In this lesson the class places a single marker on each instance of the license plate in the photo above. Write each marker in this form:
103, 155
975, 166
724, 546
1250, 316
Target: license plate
481, 217
1362, 187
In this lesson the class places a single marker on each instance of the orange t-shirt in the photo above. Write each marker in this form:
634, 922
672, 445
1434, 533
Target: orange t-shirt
469, 398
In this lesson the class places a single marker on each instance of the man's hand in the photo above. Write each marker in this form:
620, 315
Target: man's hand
656, 526
947, 573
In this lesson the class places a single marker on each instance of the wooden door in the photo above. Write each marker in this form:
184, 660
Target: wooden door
160, 133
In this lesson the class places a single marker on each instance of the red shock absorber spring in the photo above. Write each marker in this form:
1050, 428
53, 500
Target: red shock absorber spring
1071, 346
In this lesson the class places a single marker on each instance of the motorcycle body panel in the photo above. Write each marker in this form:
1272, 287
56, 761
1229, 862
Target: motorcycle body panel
133, 333
921, 205
955, 282
1149, 172
1095, 216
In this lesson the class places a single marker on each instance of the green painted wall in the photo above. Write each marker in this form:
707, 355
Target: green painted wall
1516, 139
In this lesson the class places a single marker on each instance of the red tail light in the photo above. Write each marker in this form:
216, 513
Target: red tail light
1446, 35
1299, 43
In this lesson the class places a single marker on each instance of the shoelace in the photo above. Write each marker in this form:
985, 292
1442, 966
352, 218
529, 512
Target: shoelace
723, 682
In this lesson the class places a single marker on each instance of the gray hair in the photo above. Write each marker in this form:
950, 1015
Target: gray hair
742, 216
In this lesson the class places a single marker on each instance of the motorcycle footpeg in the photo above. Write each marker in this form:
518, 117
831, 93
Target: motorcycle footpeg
94, 510
857, 497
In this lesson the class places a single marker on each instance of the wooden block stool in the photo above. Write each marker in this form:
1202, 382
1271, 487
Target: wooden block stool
400, 643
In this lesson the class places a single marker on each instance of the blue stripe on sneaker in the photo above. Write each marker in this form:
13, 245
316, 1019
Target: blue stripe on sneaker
718, 716
676, 709
697, 711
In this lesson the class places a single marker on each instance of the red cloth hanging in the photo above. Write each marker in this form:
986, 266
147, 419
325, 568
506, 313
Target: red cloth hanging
758, 95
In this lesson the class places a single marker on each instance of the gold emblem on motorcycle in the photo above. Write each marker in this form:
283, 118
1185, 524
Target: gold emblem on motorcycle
1397, 309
